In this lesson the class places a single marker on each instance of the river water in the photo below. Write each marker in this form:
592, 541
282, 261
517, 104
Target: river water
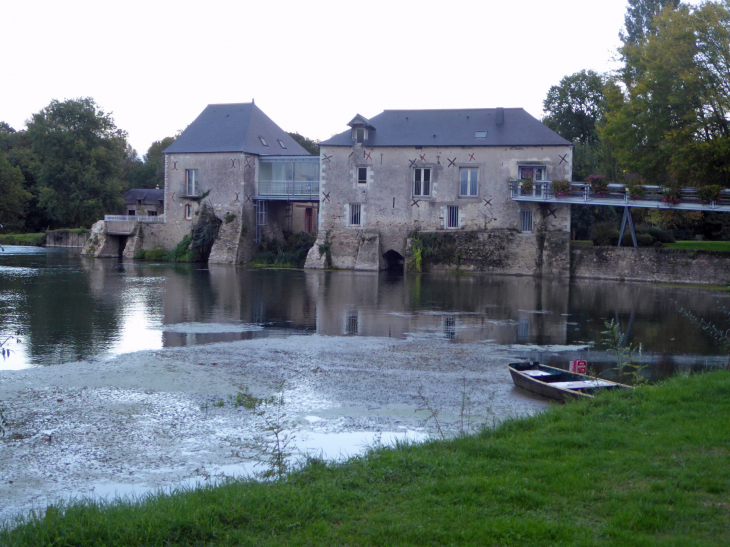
57, 306
360, 358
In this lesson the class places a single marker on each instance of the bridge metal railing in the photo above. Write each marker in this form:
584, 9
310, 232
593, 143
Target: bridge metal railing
618, 195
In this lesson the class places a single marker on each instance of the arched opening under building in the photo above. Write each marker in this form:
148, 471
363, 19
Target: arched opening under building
394, 261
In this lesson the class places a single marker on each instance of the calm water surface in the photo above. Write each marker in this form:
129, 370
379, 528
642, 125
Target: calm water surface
56, 306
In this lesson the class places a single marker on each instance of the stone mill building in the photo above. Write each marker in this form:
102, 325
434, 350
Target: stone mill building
405, 172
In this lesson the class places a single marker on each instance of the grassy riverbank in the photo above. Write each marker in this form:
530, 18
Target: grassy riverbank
31, 240
718, 246
39, 239
650, 467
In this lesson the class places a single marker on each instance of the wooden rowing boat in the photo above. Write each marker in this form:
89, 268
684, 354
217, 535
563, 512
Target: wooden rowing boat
556, 383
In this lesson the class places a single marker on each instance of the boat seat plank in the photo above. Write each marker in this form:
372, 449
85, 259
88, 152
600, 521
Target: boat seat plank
535, 373
581, 384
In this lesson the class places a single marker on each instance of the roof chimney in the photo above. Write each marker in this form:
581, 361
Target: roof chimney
500, 116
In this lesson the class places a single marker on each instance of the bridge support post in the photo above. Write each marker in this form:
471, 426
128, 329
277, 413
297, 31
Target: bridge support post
627, 216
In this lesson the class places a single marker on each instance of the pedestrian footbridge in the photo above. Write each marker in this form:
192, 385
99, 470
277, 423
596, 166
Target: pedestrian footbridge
620, 195
616, 195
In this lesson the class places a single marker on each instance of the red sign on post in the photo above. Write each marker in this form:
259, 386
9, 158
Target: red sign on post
579, 366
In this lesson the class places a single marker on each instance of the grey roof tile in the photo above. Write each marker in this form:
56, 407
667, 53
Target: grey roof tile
148, 196
235, 128
453, 128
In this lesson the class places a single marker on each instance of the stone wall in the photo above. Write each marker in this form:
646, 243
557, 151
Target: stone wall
66, 239
496, 251
651, 264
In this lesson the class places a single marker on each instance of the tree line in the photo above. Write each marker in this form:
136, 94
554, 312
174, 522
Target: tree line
663, 117
70, 166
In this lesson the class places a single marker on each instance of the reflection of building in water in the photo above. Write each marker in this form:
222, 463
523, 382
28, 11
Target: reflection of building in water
523, 330
450, 326
475, 308
351, 324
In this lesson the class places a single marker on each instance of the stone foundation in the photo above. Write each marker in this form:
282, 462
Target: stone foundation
350, 250
651, 264
496, 251
100, 244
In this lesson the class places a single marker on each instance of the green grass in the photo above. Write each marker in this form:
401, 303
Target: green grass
33, 240
721, 246
645, 467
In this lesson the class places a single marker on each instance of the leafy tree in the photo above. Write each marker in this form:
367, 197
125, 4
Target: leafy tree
150, 173
7, 137
640, 16
154, 159
14, 195
79, 153
574, 109
308, 144
575, 106
670, 123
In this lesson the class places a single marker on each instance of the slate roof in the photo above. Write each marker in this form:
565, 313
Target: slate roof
148, 197
235, 128
453, 128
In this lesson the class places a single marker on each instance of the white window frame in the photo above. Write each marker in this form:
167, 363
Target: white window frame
354, 214
359, 180
472, 186
359, 134
452, 217
526, 220
188, 211
418, 180
192, 182
533, 177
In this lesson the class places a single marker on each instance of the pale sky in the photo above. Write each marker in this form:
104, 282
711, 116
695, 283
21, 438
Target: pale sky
310, 66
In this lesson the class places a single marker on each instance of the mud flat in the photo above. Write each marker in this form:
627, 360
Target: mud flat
153, 419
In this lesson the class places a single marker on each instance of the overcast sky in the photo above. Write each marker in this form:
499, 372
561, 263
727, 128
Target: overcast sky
311, 66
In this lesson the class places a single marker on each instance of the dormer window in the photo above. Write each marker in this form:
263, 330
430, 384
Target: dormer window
281, 143
360, 128
263, 141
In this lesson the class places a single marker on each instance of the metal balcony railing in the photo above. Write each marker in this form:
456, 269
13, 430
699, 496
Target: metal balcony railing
289, 188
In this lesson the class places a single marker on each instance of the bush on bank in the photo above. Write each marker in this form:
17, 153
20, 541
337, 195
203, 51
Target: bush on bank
644, 467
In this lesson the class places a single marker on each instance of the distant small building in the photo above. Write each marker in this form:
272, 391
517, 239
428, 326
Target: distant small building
144, 202
409, 171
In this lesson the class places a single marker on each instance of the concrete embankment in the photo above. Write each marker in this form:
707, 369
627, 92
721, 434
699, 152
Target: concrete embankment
655, 264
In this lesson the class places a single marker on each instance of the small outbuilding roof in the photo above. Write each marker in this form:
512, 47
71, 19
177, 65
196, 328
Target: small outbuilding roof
146, 196
241, 127
463, 127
